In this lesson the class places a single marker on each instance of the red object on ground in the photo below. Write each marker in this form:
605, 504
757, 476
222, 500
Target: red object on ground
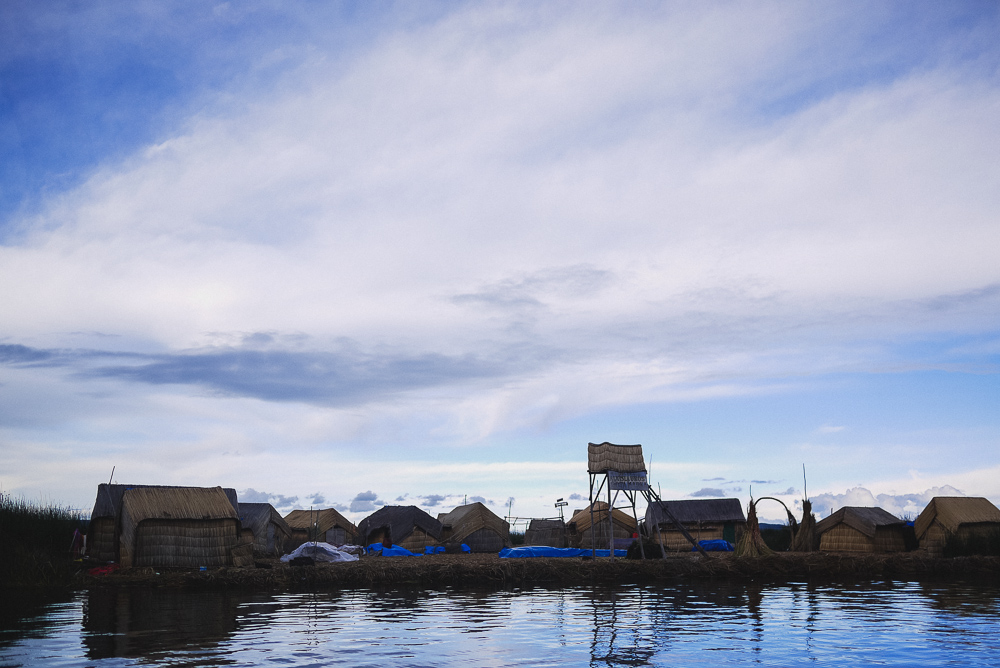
103, 570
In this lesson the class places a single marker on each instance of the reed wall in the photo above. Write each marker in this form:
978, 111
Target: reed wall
184, 543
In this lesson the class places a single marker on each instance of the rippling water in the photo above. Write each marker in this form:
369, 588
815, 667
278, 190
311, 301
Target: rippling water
901, 624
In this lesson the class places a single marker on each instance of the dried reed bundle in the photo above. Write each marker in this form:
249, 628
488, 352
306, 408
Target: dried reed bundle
805, 539
752, 543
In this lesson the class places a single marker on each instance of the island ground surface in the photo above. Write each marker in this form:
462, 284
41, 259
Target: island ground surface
488, 570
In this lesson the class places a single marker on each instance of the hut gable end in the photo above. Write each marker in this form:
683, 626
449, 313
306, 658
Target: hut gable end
951, 512
864, 520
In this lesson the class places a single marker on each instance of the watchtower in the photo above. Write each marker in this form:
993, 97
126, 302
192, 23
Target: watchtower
621, 468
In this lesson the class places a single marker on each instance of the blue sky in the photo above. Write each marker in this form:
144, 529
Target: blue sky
361, 253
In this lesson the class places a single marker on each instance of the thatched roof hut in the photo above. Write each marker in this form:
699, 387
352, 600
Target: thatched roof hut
550, 533
959, 516
585, 531
267, 528
406, 526
184, 527
475, 525
857, 529
325, 525
704, 519
102, 536
604, 457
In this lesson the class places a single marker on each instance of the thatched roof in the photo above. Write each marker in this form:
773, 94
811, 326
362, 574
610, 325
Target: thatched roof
581, 518
862, 519
324, 519
953, 511
470, 518
400, 521
170, 503
696, 510
256, 517
109, 497
604, 457
545, 525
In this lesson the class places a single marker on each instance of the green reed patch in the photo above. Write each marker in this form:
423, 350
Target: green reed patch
36, 542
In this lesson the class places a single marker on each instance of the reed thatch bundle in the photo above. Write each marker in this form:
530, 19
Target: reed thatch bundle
751, 544
805, 539
604, 457
476, 526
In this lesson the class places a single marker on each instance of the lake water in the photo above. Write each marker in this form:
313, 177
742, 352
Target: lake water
715, 624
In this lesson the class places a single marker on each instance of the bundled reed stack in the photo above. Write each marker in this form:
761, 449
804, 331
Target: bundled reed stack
751, 544
805, 539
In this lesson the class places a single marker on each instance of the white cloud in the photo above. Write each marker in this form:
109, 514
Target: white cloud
901, 505
533, 213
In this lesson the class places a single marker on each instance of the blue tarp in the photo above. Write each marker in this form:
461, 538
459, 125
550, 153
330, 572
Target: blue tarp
394, 551
466, 548
714, 546
529, 551
434, 549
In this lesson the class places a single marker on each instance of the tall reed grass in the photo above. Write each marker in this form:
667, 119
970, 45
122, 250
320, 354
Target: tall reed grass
35, 542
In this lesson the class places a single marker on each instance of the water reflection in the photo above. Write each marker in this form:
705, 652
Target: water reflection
674, 623
156, 622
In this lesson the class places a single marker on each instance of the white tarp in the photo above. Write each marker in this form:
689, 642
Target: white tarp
320, 552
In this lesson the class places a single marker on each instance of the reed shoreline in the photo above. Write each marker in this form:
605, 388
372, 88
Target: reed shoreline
488, 570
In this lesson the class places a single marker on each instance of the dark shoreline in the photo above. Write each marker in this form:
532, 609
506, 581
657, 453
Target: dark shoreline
488, 570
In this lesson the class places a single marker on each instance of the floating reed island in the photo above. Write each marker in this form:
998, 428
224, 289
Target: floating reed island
490, 571
198, 535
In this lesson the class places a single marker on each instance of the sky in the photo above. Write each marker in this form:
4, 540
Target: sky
354, 254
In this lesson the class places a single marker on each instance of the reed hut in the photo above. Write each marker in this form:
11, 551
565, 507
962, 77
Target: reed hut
857, 529
103, 534
406, 526
704, 519
585, 531
960, 516
548, 533
182, 527
325, 525
268, 529
476, 526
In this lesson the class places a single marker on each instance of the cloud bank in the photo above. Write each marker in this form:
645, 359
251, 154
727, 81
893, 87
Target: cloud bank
448, 234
